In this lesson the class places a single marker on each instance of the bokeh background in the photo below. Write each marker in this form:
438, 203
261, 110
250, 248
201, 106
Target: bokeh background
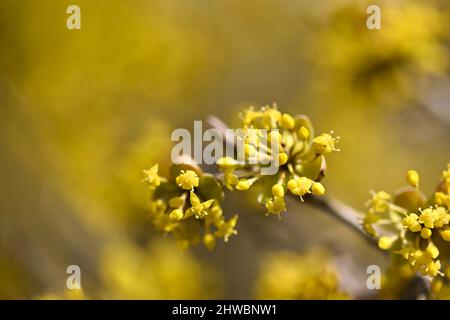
82, 112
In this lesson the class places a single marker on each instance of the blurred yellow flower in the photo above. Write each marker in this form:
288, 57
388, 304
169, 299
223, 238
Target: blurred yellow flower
160, 271
287, 275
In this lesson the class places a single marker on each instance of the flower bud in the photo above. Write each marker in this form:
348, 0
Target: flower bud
287, 121
317, 189
243, 185
412, 177
385, 243
278, 190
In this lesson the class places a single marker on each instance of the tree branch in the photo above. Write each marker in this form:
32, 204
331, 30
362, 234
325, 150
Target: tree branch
341, 211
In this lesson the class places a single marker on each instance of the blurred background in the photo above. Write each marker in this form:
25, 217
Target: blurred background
82, 112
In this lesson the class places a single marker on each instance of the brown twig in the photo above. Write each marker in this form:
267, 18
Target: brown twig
341, 211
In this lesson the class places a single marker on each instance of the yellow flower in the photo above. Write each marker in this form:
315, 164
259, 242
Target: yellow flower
152, 177
446, 235
176, 202
187, 180
176, 215
412, 177
318, 189
385, 243
209, 241
226, 229
428, 217
270, 117
287, 121
426, 233
249, 115
411, 222
441, 217
230, 180
433, 268
379, 202
442, 199
282, 158
299, 186
278, 190
243, 185
198, 208
325, 143
275, 205
303, 133
432, 251
227, 163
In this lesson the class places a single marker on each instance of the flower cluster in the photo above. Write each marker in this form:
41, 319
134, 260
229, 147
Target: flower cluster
414, 226
188, 206
289, 142
188, 203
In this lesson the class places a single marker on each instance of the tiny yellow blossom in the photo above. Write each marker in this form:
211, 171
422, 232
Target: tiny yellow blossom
385, 243
282, 158
299, 186
303, 133
176, 202
442, 217
276, 205
287, 121
243, 185
270, 117
152, 177
428, 217
198, 208
250, 115
446, 235
176, 215
226, 163
426, 233
209, 241
187, 180
432, 269
325, 143
278, 190
317, 188
432, 251
230, 180
379, 202
412, 177
411, 222
442, 199
226, 229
